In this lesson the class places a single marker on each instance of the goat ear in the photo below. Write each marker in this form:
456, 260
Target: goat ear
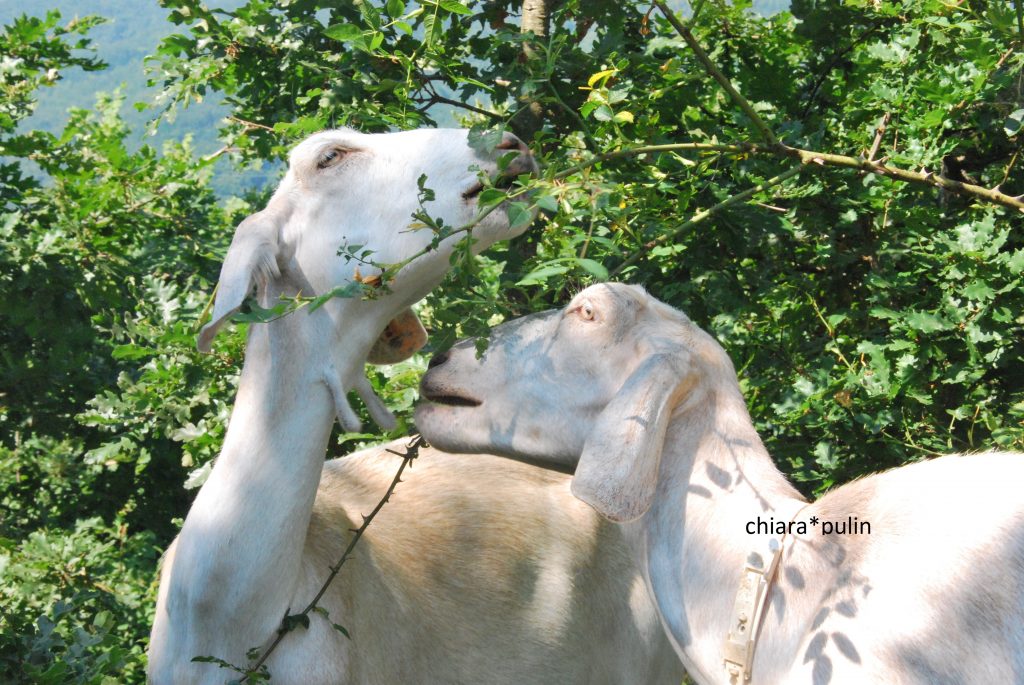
251, 259
618, 470
401, 338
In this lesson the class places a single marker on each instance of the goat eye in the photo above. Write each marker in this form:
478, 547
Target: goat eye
587, 311
330, 158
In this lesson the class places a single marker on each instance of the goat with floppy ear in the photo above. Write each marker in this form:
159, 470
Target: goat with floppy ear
480, 570
251, 259
917, 578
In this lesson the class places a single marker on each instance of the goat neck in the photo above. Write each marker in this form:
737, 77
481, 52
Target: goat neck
715, 476
238, 555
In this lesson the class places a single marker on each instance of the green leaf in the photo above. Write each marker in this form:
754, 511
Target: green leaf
455, 7
1016, 262
131, 351
926, 322
343, 33
594, 268
549, 203
337, 626
1013, 123
293, 621
979, 290
604, 113
519, 215
542, 274
491, 196
485, 140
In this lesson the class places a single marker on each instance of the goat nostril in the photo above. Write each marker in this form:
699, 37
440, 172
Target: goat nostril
438, 359
510, 141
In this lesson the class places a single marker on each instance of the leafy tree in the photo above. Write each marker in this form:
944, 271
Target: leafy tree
106, 254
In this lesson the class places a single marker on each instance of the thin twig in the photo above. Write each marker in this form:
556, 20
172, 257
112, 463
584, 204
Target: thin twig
812, 94
1009, 167
251, 124
704, 215
879, 132
411, 452
713, 69
436, 98
642, 150
224, 150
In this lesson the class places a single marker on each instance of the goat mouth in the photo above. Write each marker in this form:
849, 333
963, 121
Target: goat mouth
502, 182
451, 400
473, 192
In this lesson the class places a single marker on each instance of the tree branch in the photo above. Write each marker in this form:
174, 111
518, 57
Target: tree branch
251, 124
922, 177
435, 98
703, 216
812, 158
712, 68
879, 132
535, 21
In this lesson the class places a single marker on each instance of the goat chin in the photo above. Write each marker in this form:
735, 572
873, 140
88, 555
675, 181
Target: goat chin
914, 575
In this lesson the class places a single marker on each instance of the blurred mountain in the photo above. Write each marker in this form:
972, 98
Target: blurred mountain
132, 31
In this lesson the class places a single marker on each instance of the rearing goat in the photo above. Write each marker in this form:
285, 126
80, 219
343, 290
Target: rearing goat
469, 575
648, 409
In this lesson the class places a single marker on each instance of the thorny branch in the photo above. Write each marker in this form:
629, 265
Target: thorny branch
435, 99
302, 618
811, 157
251, 124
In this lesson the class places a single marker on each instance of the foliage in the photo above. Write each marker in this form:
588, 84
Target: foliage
108, 256
872, 321
77, 604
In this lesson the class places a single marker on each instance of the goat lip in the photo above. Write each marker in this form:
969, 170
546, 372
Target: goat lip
451, 400
501, 182
473, 191
505, 181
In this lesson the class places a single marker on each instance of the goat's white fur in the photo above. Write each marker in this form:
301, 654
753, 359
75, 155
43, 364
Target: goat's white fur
241, 560
480, 570
934, 594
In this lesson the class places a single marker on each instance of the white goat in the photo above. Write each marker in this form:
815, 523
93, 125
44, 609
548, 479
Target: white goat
648, 409
438, 595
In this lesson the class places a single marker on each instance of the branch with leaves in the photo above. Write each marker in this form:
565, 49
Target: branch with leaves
811, 158
825, 159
